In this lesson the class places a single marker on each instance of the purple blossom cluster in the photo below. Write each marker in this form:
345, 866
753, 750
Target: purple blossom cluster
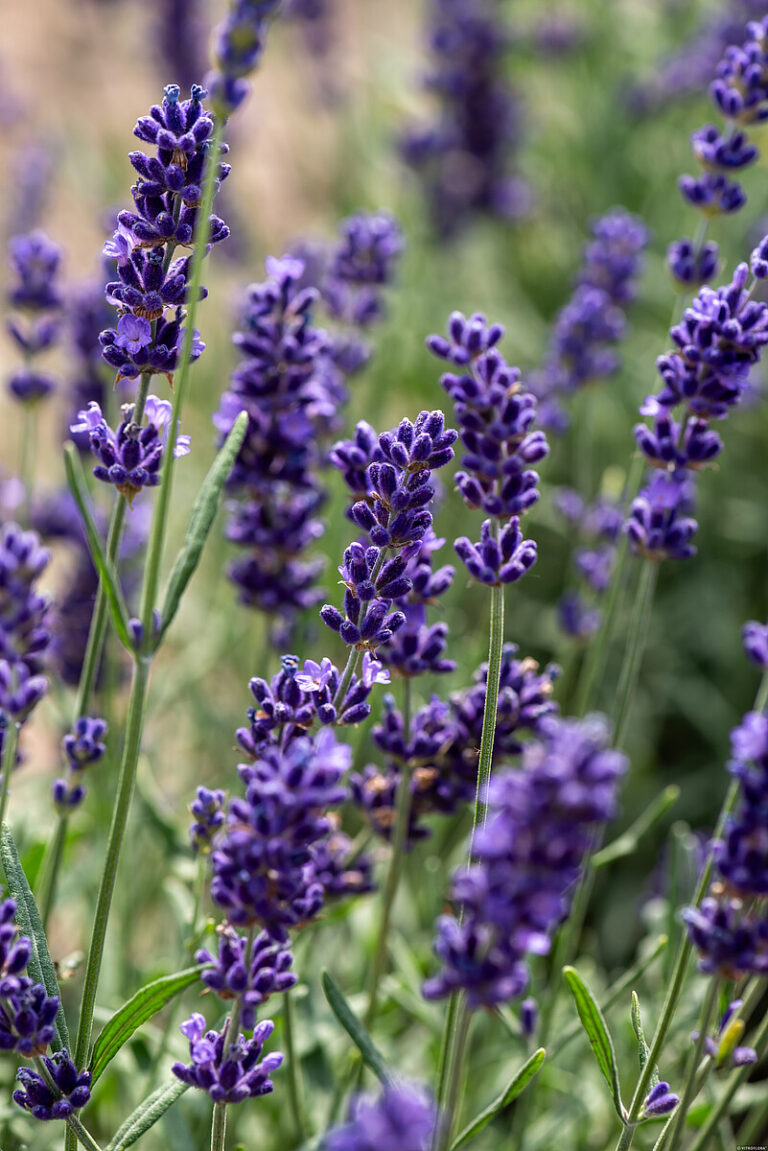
27, 1026
718, 340
24, 632
281, 382
131, 457
543, 818
440, 749
390, 477
495, 418
71, 1088
402, 1118
588, 328
238, 45
229, 1070
739, 92
35, 295
291, 382
598, 526
730, 927
464, 157
151, 288
82, 746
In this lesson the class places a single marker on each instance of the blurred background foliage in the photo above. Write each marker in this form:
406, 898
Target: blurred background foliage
317, 141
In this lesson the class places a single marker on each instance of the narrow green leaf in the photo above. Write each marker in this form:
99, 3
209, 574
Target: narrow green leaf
201, 520
141, 1007
516, 1087
627, 842
371, 1056
40, 967
642, 1047
597, 1032
146, 1115
107, 574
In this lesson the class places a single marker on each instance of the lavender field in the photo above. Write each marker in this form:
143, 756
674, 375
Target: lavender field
383, 665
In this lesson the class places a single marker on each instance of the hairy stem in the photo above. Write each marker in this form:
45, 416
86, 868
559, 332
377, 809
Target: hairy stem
694, 1061
295, 1084
10, 747
485, 762
126, 782
450, 1104
633, 654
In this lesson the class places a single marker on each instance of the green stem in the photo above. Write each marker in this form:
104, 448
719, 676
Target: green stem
27, 462
636, 641
10, 746
295, 1084
51, 867
394, 872
735, 1080
219, 1127
694, 1060
162, 507
98, 625
450, 1106
598, 649
126, 782
485, 762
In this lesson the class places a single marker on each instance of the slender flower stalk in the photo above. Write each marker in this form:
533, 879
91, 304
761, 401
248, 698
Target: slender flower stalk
694, 1063
394, 871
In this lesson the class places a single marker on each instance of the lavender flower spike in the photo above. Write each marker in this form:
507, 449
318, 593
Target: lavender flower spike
230, 1070
403, 1118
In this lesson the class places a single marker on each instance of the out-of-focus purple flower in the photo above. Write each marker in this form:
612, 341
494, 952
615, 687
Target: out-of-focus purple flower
542, 821
24, 624
692, 266
73, 1088
230, 1070
464, 157
755, 639
593, 321
208, 810
724, 1047
362, 262
402, 1118
576, 618
282, 384
729, 940
340, 871
35, 294
238, 45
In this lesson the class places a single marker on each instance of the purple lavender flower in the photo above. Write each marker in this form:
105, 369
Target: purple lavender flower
464, 156
262, 862
73, 1088
692, 266
27, 1016
363, 260
238, 45
24, 634
593, 321
576, 618
208, 811
501, 560
658, 526
250, 978
755, 639
131, 457
230, 1071
151, 288
723, 1048
282, 384
340, 871
402, 1118
542, 821
659, 1101
728, 939
35, 261
82, 747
